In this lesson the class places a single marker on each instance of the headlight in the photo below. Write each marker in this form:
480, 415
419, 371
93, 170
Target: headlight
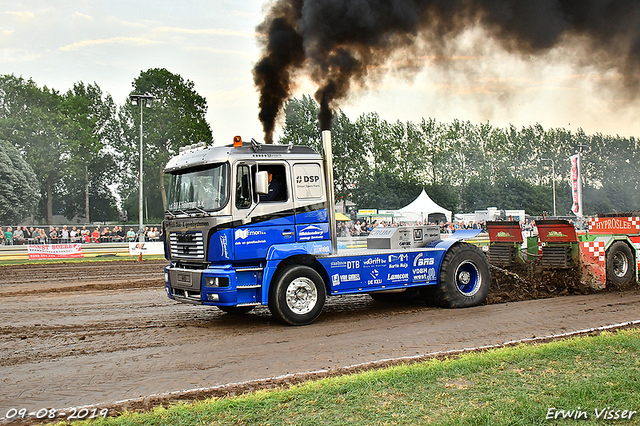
166, 277
216, 282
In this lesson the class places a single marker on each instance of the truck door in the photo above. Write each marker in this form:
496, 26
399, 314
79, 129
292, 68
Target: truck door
268, 220
312, 220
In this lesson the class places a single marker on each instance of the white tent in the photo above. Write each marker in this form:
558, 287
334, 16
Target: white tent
420, 209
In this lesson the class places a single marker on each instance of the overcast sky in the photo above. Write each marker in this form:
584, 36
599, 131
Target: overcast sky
213, 44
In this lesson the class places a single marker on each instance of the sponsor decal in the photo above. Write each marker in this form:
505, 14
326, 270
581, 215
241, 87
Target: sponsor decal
338, 264
424, 274
307, 179
398, 261
311, 232
556, 234
503, 234
223, 246
320, 248
344, 278
335, 280
421, 261
375, 275
374, 261
242, 234
187, 224
397, 277
611, 224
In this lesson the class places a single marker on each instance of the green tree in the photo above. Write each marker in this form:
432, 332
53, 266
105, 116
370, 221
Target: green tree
30, 119
301, 123
91, 130
175, 119
18, 186
384, 190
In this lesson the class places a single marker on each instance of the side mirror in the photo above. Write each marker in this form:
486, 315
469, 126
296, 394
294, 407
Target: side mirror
262, 183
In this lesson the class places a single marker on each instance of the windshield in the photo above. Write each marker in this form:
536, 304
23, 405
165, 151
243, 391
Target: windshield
198, 189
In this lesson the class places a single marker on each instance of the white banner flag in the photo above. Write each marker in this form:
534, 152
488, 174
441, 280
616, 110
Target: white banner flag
145, 248
576, 185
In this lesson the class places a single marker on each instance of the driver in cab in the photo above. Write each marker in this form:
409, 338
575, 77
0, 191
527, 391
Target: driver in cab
274, 189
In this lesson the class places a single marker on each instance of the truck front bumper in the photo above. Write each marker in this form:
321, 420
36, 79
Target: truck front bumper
214, 286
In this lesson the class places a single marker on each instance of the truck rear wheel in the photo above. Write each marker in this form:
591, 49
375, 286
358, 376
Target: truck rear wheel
619, 263
464, 277
298, 296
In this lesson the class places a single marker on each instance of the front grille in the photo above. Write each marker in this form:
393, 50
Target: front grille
186, 246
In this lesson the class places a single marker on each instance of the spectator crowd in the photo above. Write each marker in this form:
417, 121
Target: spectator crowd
362, 228
21, 235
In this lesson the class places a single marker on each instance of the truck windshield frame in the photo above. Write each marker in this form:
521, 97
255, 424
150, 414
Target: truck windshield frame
197, 189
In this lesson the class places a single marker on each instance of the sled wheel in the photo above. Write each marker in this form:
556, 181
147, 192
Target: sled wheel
236, 310
298, 296
464, 277
407, 296
619, 263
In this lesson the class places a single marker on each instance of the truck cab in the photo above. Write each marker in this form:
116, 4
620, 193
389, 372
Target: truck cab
235, 242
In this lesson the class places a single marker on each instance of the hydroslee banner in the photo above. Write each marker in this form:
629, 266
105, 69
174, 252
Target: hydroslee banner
576, 185
55, 251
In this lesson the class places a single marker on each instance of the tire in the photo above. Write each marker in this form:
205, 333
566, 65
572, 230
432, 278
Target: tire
407, 296
464, 277
236, 310
298, 296
620, 263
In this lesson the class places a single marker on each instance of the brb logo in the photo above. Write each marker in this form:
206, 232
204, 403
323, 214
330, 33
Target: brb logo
420, 261
307, 179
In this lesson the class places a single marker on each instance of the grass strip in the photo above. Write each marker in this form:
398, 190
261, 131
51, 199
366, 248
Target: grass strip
523, 385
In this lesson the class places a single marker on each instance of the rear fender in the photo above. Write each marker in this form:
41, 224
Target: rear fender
447, 243
459, 235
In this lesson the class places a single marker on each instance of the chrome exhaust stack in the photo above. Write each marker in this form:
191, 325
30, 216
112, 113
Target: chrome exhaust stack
327, 155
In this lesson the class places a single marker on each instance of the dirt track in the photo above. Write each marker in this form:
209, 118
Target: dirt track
89, 333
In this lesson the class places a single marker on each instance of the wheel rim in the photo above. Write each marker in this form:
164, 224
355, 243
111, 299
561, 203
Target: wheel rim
468, 278
301, 295
620, 264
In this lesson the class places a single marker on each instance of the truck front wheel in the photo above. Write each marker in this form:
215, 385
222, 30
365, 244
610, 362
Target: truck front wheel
298, 296
464, 277
619, 263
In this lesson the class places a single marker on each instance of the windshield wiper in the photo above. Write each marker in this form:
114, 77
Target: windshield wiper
204, 212
171, 212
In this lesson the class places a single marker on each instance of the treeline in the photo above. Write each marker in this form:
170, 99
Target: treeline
68, 153
466, 167
76, 154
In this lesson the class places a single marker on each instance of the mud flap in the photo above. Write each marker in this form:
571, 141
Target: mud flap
594, 262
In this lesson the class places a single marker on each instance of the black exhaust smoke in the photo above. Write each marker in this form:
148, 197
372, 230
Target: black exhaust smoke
340, 43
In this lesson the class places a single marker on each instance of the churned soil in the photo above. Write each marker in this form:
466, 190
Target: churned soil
104, 334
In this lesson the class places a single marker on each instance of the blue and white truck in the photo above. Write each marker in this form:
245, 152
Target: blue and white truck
230, 245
